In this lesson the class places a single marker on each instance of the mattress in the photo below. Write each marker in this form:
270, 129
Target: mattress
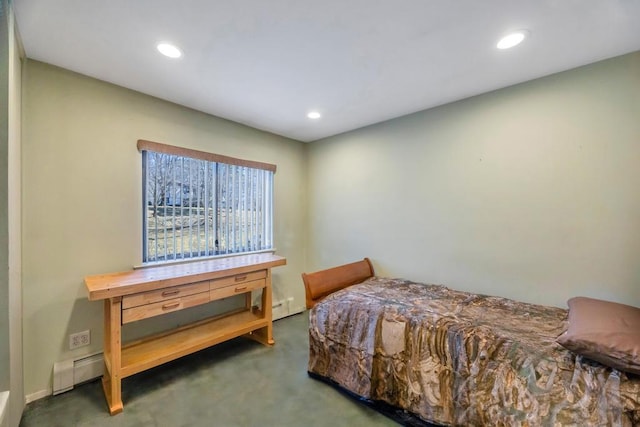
459, 358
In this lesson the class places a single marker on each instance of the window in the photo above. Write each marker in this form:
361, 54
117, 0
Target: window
198, 204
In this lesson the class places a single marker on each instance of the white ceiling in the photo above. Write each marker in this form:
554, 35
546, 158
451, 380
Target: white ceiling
266, 63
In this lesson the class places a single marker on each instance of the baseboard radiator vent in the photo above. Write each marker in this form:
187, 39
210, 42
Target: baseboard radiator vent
283, 308
4, 408
69, 373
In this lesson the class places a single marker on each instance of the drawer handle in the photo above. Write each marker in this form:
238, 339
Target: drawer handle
169, 293
170, 306
241, 288
241, 278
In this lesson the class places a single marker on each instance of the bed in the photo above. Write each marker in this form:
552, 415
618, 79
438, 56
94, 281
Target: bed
449, 357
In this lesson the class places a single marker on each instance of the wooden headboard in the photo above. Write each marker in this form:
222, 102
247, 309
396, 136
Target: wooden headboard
322, 283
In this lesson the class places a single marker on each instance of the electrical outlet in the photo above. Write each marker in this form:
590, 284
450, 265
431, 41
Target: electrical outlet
79, 339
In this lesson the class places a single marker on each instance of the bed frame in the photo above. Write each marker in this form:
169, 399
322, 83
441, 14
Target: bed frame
322, 283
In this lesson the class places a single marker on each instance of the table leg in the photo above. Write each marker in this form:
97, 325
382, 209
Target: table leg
264, 335
111, 380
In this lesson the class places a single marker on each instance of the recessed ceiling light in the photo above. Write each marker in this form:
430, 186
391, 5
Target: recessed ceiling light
314, 115
512, 39
169, 50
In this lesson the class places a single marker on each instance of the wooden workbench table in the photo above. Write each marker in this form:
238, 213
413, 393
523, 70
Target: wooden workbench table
153, 291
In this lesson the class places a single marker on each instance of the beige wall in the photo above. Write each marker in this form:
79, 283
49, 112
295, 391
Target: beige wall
5, 66
529, 192
15, 227
10, 218
82, 199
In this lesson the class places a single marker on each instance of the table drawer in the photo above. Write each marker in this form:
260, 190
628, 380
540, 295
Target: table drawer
164, 294
163, 307
238, 279
237, 289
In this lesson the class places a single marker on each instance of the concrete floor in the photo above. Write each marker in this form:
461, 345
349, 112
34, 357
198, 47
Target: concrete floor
238, 383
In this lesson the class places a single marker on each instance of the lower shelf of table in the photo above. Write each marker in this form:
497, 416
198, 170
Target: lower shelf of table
156, 350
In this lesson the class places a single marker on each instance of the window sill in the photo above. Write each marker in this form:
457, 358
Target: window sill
186, 261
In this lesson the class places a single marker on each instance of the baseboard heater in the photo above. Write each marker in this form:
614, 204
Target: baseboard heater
4, 408
69, 373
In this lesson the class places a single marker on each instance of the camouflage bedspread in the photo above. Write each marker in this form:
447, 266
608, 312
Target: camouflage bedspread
457, 358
